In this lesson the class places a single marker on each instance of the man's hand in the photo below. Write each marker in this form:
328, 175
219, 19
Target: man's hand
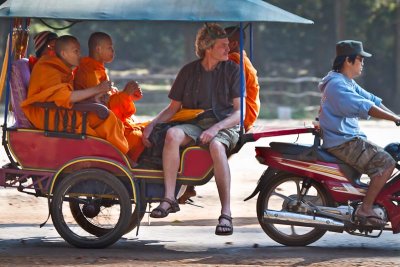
133, 89
146, 134
208, 135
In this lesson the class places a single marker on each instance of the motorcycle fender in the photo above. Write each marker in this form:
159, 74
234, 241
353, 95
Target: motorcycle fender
262, 182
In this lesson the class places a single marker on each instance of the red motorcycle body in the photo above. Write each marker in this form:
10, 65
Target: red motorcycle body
340, 181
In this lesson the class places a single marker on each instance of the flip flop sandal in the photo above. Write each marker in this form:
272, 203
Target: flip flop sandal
161, 212
221, 228
370, 220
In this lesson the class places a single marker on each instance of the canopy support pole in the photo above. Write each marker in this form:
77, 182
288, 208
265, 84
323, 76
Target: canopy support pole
242, 80
251, 41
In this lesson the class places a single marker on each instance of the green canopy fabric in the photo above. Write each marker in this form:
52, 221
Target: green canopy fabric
156, 10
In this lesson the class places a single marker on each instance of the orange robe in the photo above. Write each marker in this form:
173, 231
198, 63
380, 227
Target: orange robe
52, 81
252, 89
89, 74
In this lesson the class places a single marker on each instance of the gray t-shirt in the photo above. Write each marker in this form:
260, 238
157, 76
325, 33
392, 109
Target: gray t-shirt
197, 88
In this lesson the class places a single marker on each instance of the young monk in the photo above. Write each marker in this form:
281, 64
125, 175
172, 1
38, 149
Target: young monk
52, 81
91, 72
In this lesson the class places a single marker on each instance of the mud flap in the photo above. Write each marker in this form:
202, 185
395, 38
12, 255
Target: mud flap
262, 182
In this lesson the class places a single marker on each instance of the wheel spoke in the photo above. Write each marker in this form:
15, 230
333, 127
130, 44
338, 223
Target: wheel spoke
298, 188
281, 196
293, 230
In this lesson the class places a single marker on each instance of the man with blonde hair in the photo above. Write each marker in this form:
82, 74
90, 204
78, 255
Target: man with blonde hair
210, 83
252, 91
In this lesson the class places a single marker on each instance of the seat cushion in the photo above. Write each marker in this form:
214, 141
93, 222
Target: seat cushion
19, 82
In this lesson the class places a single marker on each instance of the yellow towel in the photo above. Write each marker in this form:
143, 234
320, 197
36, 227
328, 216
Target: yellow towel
186, 114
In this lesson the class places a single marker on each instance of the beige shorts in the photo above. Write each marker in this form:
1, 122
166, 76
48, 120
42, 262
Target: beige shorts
364, 156
229, 137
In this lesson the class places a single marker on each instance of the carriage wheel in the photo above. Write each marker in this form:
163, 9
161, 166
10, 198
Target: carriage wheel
103, 201
80, 211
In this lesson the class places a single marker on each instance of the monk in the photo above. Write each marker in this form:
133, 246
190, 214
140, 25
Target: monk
252, 86
52, 81
92, 72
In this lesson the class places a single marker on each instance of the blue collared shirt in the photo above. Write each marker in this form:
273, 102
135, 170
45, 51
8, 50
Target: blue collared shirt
343, 102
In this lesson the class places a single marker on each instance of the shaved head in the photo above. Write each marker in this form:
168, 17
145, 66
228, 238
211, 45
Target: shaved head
101, 47
67, 48
96, 39
63, 42
233, 33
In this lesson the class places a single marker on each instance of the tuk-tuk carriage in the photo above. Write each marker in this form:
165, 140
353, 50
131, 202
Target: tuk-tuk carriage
94, 193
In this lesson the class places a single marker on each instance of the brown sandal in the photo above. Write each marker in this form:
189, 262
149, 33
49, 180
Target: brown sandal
161, 212
219, 230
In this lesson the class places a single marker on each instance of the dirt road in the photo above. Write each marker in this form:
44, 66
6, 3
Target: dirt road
187, 238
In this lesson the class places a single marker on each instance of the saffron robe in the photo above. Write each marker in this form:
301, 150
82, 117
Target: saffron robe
89, 74
252, 89
52, 81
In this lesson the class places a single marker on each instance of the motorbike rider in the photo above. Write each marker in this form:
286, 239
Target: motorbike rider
343, 102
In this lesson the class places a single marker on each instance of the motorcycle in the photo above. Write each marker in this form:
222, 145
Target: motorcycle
306, 192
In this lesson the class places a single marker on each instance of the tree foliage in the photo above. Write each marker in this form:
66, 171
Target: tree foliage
281, 49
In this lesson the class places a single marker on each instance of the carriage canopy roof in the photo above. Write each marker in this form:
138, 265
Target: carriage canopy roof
156, 10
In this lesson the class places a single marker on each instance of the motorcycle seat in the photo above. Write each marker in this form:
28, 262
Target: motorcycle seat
305, 150
310, 153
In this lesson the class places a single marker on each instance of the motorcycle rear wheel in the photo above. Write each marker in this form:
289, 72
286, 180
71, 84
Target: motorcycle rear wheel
280, 189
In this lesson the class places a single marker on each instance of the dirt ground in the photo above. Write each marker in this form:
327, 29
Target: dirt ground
187, 237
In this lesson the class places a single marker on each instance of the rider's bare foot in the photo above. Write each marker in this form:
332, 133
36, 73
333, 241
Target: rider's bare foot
189, 192
368, 216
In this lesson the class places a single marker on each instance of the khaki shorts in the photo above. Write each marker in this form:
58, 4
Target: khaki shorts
229, 137
364, 156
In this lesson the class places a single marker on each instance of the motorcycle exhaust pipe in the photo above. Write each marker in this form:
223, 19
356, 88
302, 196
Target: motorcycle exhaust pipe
290, 218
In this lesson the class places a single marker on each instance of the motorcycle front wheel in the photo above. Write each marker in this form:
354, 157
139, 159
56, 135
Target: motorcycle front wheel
281, 190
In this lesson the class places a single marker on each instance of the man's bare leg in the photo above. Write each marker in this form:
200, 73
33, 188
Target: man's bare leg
174, 138
222, 178
375, 186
